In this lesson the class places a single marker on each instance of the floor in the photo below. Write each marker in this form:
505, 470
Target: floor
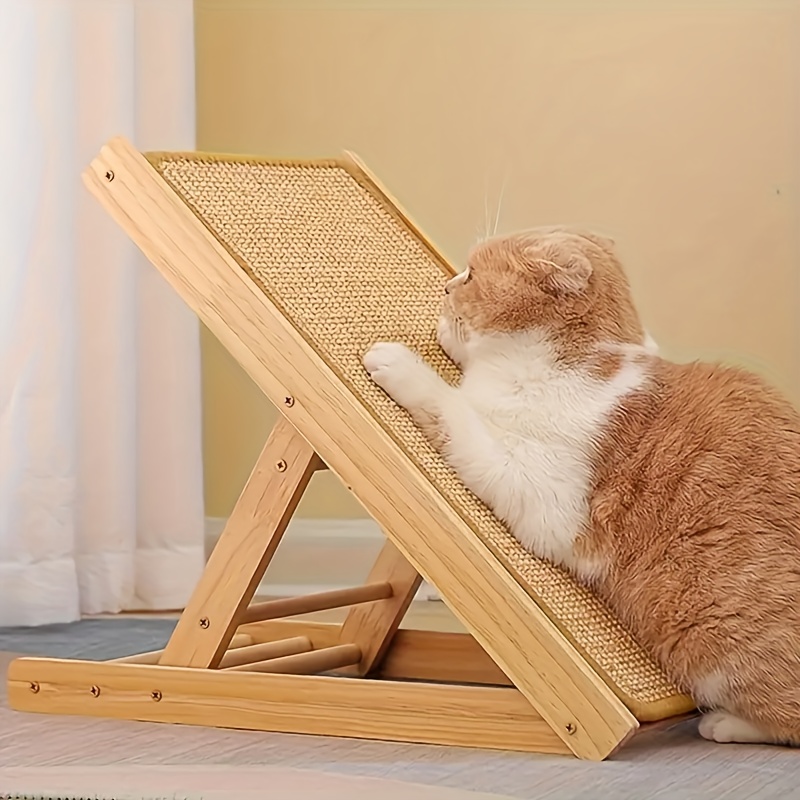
212, 783
138, 757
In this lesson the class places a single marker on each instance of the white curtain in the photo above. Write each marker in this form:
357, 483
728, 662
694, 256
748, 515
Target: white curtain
101, 505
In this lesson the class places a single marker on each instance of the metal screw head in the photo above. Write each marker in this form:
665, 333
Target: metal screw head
156, 695
288, 402
571, 728
34, 687
95, 690
110, 175
281, 466
204, 622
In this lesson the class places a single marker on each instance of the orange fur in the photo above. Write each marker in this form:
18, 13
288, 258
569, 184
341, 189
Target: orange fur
696, 506
568, 283
695, 498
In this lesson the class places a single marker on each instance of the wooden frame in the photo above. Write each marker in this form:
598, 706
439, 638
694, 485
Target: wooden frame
529, 688
437, 688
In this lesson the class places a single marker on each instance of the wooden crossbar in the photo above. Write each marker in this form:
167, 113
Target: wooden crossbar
256, 653
310, 663
320, 601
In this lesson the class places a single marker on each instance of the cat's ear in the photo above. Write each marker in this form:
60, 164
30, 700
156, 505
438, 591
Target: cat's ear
568, 275
564, 272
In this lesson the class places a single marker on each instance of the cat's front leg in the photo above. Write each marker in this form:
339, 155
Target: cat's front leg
410, 382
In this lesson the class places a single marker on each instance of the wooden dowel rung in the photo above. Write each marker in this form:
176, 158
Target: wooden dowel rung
322, 601
311, 663
239, 640
263, 652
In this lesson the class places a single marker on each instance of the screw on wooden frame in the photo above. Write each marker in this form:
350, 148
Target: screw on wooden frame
288, 402
204, 622
156, 695
571, 728
110, 175
34, 687
95, 691
281, 466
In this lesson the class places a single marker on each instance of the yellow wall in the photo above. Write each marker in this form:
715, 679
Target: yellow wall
672, 126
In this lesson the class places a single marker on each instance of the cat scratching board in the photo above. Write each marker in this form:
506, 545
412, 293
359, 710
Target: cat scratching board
298, 267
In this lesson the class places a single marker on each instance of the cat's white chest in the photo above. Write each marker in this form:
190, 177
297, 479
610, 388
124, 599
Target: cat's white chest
537, 474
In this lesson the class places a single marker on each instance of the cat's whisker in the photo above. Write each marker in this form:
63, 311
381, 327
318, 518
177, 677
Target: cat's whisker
485, 235
499, 204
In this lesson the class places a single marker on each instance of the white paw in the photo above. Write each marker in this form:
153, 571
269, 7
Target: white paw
389, 362
404, 376
395, 368
722, 727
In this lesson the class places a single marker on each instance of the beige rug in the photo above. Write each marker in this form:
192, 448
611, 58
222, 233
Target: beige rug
211, 783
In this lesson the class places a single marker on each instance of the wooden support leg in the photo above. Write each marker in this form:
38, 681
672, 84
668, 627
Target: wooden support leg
372, 626
244, 550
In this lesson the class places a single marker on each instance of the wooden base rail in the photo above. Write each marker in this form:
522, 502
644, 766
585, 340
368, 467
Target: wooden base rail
318, 705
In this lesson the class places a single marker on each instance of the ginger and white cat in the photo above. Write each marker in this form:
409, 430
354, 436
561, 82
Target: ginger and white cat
671, 490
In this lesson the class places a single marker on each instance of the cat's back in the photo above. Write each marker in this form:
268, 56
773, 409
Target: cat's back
697, 444
720, 425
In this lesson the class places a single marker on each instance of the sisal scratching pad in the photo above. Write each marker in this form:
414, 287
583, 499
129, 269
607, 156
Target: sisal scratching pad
347, 269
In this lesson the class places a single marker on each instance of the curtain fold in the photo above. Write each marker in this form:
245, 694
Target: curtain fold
101, 506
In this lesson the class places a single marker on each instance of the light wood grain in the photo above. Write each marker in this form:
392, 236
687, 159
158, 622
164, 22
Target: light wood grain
260, 652
502, 616
310, 663
319, 601
372, 627
243, 552
435, 656
412, 655
406, 712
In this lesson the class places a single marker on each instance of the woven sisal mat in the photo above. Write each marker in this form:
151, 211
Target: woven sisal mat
343, 266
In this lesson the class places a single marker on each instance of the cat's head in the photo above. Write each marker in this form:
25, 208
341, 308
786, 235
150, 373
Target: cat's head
563, 283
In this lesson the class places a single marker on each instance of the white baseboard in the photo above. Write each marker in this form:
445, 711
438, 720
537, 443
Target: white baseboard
317, 555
